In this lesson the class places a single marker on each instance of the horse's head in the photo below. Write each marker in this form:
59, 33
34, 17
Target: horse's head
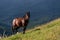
27, 15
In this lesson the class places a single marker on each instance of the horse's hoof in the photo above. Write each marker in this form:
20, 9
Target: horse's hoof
17, 32
23, 32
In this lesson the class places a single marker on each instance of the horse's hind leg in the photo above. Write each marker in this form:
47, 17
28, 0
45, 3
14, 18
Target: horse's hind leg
13, 30
24, 30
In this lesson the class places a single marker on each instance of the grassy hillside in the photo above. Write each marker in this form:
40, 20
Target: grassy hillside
49, 31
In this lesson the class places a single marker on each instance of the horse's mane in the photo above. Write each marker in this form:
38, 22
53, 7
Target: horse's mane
27, 13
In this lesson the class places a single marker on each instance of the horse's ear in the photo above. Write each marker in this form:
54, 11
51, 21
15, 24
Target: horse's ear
28, 12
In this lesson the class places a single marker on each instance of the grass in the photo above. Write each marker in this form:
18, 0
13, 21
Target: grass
49, 31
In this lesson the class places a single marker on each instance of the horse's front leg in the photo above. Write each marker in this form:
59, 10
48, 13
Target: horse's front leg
16, 30
24, 30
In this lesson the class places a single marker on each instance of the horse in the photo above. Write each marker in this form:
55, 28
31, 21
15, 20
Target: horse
20, 22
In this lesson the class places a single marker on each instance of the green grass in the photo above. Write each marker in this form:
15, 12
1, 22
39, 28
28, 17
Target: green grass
49, 31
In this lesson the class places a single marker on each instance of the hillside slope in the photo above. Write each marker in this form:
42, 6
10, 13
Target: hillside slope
49, 31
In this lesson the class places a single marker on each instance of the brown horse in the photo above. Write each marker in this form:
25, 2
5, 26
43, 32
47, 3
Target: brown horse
21, 22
